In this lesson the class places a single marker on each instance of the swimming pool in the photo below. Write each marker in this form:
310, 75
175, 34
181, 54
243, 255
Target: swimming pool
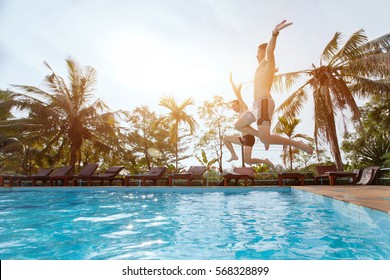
183, 223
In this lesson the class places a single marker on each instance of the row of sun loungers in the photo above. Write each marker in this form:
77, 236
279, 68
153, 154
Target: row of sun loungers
367, 176
63, 176
156, 174
326, 174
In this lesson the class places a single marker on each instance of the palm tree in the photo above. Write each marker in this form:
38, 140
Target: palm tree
147, 141
217, 122
5, 107
357, 69
6, 143
176, 116
9, 144
64, 117
287, 127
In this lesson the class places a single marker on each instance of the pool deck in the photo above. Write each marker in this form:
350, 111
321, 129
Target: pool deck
374, 197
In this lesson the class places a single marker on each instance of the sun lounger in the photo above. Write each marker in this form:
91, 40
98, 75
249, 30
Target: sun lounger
44, 179
154, 174
369, 175
64, 179
358, 173
240, 173
193, 173
291, 175
110, 175
340, 174
321, 170
17, 179
331, 173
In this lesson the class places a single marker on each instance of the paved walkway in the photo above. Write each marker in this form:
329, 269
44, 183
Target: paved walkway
374, 197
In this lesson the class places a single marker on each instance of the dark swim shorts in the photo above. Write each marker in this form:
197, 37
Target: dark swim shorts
247, 140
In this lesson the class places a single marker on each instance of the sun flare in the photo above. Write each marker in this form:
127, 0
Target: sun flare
143, 62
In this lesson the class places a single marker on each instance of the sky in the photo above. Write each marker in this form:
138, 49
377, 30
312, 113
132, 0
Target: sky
146, 49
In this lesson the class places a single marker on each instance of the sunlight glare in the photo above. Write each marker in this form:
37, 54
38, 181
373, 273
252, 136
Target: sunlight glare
143, 62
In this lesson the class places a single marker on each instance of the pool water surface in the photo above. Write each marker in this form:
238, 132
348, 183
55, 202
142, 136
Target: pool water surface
181, 223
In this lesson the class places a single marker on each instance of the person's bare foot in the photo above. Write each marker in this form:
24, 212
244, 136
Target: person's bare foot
269, 163
266, 147
306, 148
232, 158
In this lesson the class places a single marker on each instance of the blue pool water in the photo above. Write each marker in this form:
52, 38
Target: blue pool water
184, 223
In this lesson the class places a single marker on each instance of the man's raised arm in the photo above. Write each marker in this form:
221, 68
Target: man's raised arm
269, 56
237, 90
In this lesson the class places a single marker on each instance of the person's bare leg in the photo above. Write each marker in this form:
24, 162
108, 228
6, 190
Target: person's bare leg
268, 139
228, 140
249, 160
243, 125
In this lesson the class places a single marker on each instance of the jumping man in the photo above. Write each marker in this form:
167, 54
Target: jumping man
246, 140
264, 105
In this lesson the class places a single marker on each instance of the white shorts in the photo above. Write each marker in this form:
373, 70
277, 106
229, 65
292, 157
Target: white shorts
248, 115
263, 109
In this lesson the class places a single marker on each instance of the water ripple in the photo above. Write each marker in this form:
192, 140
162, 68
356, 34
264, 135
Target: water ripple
104, 219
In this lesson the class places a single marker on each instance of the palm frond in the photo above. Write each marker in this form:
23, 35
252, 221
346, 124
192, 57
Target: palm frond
101, 146
286, 126
19, 125
374, 65
293, 105
330, 48
187, 102
47, 65
6, 103
89, 79
34, 93
284, 82
380, 44
73, 71
302, 136
343, 98
351, 50
191, 122
363, 87
168, 101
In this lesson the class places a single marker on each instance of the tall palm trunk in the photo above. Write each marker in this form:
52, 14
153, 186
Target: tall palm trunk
331, 132
177, 155
290, 151
335, 150
177, 147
